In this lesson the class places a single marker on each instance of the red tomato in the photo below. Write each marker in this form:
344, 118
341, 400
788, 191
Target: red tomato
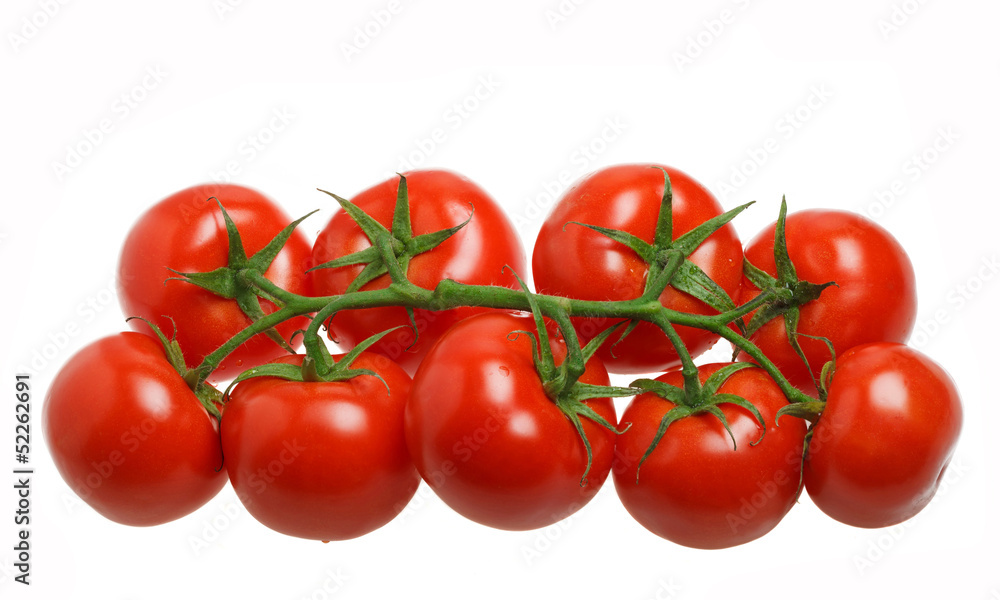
885, 438
321, 460
874, 299
576, 262
475, 255
487, 439
694, 489
129, 436
187, 233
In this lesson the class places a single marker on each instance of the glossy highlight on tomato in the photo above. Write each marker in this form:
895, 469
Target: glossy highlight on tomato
576, 262
486, 437
477, 254
186, 232
694, 489
321, 460
129, 436
885, 438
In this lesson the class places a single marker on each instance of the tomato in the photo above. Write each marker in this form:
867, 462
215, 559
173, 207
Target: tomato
321, 460
694, 489
874, 299
477, 254
888, 431
576, 262
129, 436
487, 439
186, 232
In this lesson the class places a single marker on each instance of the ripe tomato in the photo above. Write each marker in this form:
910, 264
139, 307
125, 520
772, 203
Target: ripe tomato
129, 436
487, 439
187, 233
577, 262
476, 254
874, 299
885, 438
321, 460
693, 489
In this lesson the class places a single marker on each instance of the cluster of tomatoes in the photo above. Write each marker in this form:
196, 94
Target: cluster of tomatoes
454, 397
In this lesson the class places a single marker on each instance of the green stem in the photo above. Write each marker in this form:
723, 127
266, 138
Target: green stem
450, 294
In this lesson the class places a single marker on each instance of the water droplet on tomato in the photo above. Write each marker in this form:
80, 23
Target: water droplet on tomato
505, 371
239, 363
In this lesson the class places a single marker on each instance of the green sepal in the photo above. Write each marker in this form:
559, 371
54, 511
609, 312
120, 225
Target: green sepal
313, 370
690, 241
673, 415
227, 281
746, 405
787, 305
684, 275
208, 396
628, 330
175, 355
391, 250
573, 406
644, 249
715, 380
666, 391
810, 411
265, 256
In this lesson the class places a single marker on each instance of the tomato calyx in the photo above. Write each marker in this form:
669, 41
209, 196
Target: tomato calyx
233, 281
391, 249
704, 398
209, 397
790, 293
668, 258
318, 366
561, 382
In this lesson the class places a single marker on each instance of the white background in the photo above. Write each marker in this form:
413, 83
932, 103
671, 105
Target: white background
834, 99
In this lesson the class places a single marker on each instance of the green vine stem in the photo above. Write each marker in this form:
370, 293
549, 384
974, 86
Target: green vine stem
450, 294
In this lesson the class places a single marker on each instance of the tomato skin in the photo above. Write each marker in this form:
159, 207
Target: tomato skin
186, 232
694, 489
128, 435
874, 299
323, 461
576, 262
889, 429
487, 439
475, 255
